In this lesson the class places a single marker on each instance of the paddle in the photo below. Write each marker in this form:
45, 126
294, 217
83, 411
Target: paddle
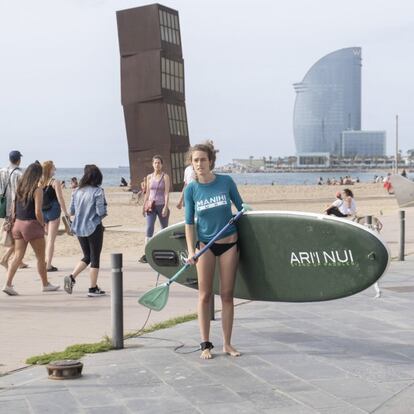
157, 297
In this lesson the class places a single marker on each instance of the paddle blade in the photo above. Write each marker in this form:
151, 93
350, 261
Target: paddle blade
156, 298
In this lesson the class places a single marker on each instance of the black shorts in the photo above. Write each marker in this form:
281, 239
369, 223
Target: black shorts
219, 248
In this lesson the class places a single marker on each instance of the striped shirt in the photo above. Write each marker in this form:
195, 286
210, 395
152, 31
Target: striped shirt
12, 187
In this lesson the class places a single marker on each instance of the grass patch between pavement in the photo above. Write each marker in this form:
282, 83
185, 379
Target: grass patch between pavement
79, 350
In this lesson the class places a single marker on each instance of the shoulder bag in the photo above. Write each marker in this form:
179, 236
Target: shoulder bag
150, 204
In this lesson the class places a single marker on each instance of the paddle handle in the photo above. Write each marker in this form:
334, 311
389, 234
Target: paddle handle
217, 236
207, 246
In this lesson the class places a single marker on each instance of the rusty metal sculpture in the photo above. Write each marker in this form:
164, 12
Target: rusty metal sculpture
153, 90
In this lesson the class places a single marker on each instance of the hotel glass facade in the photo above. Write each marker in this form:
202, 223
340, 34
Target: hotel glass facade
363, 143
328, 102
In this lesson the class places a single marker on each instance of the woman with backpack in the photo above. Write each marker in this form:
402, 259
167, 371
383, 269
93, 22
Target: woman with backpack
53, 205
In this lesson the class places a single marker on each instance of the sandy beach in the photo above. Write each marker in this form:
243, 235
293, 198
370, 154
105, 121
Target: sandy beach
128, 236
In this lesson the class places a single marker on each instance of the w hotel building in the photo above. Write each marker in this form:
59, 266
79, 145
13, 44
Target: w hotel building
153, 90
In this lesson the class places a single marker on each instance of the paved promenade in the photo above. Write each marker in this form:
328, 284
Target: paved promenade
353, 355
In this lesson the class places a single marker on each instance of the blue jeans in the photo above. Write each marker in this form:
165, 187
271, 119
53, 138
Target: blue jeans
151, 217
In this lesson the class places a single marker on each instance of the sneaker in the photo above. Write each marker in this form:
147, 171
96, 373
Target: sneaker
143, 259
9, 290
68, 283
50, 288
52, 269
96, 291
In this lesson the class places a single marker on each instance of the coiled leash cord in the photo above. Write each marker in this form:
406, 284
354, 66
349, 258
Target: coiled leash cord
138, 333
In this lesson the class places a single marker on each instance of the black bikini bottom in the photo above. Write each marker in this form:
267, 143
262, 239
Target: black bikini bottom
219, 248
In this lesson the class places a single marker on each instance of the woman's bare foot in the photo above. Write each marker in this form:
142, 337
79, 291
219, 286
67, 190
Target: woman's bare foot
206, 354
229, 350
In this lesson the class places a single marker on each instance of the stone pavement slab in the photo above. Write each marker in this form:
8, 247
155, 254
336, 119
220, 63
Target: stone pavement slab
353, 355
34, 323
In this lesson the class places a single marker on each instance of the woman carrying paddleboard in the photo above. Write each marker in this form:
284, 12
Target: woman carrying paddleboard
209, 199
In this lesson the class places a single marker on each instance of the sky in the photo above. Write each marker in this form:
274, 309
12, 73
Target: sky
60, 73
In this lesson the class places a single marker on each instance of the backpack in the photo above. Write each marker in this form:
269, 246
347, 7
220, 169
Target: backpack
3, 197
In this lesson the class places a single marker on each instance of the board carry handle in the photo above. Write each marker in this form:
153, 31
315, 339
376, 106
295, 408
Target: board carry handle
178, 235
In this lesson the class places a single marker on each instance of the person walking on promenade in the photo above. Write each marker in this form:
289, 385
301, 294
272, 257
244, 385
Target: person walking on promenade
209, 199
9, 177
53, 205
156, 199
74, 183
387, 184
28, 227
189, 176
88, 206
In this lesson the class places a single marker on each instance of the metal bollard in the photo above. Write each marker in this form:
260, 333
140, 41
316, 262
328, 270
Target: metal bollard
212, 311
117, 306
402, 235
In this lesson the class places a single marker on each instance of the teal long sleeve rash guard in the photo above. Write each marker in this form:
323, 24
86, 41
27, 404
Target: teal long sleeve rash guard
211, 204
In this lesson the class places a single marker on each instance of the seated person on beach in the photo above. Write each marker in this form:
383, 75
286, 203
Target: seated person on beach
333, 209
123, 182
74, 183
344, 205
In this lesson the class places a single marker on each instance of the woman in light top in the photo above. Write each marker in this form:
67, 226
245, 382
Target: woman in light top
209, 199
88, 205
157, 193
53, 205
348, 207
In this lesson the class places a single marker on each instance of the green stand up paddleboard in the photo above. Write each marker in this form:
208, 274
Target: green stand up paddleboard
286, 256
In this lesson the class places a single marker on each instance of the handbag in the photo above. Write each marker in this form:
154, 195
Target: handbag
3, 197
6, 239
149, 206
67, 223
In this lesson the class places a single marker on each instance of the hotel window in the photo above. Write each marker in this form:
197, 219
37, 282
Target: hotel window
177, 120
177, 167
170, 31
172, 75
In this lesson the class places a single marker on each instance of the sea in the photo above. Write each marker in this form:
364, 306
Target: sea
112, 176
